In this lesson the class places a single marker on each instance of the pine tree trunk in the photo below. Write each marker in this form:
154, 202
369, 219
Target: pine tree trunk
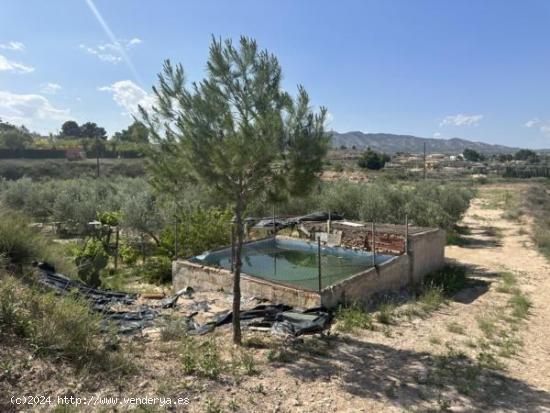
237, 275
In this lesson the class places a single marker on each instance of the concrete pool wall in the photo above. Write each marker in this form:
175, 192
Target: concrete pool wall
426, 254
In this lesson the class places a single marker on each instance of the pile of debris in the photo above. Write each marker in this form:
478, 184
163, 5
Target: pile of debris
129, 313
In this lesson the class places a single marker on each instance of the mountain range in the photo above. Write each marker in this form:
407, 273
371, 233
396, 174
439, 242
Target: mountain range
390, 143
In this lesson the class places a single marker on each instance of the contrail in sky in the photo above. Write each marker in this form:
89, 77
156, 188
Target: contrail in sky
113, 39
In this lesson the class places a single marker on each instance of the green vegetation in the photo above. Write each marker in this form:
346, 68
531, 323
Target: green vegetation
20, 244
385, 314
202, 359
520, 304
57, 326
372, 160
450, 279
537, 202
508, 282
353, 318
472, 155
237, 132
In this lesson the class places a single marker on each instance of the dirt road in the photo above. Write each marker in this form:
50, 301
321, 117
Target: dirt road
430, 364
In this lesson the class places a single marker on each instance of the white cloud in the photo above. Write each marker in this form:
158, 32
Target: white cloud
50, 88
15, 46
532, 122
111, 52
545, 129
437, 135
461, 120
30, 110
133, 42
15, 67
128, 95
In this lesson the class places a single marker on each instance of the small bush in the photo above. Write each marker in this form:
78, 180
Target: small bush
385, 314
128, 254
244, 361
431, 299
20, 244
201, 359
158, 269
450, 279
487, 325
520, 304
507, 283
350, 319
54, 325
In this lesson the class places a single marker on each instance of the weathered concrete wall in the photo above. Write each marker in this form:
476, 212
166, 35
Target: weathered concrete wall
391, 275
427, 252
185, 273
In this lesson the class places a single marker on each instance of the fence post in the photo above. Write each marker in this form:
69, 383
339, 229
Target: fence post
319, 260
273, 221
373, 245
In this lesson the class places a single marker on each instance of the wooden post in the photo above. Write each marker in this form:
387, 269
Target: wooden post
273, 221
373, 246
116, 248
319, 260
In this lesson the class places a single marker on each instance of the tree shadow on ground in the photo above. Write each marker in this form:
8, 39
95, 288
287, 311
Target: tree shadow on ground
408, 379
478, 282
484, 237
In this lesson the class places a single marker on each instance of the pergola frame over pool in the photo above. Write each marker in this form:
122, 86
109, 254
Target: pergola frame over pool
424, 253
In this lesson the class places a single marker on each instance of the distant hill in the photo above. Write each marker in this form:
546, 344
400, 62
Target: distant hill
389, 143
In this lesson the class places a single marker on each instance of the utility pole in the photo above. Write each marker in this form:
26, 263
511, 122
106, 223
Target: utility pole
424, 160
97, 154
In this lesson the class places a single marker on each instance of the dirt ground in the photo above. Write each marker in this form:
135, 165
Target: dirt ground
415, 364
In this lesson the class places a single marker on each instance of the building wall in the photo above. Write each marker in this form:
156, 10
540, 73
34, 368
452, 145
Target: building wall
185, 273
427, 252
391, 275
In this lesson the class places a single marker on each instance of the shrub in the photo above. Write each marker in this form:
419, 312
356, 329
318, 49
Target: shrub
158, 269
20, 244
90, 259
54, 325
128, 254
520, 304
199, 230
350, 319
385, 314
450, 279
431, 299
201, 359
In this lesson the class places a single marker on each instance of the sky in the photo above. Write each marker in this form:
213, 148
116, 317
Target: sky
478, 70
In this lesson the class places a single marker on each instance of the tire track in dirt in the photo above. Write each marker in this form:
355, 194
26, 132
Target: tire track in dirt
515, 253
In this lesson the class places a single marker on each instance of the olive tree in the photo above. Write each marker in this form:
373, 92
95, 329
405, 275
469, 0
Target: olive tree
236, 132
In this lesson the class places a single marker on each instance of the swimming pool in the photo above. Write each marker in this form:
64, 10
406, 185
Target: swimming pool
294, 262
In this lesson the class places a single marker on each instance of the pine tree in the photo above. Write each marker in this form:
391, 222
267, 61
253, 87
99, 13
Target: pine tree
237, 132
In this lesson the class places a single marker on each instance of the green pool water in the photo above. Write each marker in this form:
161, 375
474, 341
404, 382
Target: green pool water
294, 262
